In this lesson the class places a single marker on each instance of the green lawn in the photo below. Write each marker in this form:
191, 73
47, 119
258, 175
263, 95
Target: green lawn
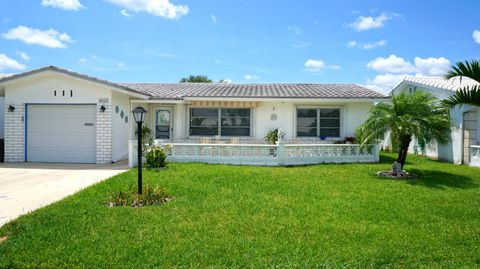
242, 216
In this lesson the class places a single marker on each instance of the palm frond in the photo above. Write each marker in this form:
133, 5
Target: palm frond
465, 96
469, 69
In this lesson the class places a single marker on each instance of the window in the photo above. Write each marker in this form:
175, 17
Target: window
322, 122
220, 121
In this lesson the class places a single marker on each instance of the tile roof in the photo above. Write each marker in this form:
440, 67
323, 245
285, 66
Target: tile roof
179, 91
260, 90
452, 84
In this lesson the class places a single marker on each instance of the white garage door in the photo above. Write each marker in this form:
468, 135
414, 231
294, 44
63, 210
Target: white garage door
61, 133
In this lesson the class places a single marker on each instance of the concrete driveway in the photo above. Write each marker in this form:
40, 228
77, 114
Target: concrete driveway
28, 186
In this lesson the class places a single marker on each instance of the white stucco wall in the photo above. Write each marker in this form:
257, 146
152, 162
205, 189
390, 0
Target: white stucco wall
40, 88
262, 123
352, 115
121, 124
2, 117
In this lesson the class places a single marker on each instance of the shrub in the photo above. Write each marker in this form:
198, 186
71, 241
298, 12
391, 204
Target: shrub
272, 136
155, 157
150, 196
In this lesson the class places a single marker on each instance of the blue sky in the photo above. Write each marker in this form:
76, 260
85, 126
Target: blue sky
373, 43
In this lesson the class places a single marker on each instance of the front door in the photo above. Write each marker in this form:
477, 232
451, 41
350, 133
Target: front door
163, 126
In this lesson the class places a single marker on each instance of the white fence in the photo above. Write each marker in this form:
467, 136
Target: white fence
475, 156
264, 154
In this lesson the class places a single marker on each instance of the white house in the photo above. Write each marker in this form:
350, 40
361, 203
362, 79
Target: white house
465, 136
56, 115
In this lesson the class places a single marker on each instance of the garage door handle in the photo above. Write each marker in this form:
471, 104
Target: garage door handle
88, 124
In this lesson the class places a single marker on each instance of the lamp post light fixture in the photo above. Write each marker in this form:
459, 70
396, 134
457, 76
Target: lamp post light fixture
139, 116
102, 108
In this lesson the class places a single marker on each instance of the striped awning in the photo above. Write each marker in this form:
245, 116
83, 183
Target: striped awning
239, 104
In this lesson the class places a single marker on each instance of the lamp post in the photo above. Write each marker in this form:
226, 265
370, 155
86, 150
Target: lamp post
139, 116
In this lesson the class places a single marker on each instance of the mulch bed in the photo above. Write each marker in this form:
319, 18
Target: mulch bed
389, 174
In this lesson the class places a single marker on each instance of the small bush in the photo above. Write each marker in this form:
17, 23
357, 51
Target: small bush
150, 196
155, 157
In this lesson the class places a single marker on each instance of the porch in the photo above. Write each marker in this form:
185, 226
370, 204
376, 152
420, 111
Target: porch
280, 154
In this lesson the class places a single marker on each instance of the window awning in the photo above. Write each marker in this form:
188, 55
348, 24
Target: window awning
239, 104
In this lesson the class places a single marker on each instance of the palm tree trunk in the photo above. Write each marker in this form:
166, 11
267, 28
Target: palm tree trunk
404, 143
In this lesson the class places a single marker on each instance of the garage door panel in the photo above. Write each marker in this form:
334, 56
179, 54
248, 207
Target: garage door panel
61, 133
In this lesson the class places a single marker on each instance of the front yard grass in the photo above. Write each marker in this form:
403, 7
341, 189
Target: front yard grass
243, 216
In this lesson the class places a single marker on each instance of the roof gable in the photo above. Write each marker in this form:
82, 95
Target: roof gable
54, 69
453, 84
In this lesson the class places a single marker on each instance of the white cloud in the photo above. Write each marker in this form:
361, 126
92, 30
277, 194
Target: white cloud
227, 80
8, 63
125, 13
82, 61
63, 4
366, 46
251, 77
432, 66
48, 38
313, 65
97, 63
121, 65
392, 64
363, 23
294, 29
301, 45
23, 55
161, 8
476, 36
213, 18
396, 68
385, 82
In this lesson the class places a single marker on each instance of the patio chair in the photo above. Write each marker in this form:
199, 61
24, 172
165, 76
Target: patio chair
205, 140
234, 140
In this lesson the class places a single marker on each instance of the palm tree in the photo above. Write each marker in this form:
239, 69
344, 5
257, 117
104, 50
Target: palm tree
408, 115
467, 95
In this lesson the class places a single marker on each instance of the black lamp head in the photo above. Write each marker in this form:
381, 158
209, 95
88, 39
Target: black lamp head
139, 114
11, 108
102, 108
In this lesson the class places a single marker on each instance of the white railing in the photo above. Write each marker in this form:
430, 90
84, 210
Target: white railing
475, 155
264, 154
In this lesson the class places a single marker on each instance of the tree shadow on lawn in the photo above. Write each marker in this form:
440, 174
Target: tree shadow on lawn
441, 180
391, 160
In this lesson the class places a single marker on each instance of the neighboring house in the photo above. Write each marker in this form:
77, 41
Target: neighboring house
2, 101
2, 117
465, 119
63, 116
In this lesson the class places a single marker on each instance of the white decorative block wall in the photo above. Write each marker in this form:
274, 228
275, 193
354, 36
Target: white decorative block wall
15, 133
104, 133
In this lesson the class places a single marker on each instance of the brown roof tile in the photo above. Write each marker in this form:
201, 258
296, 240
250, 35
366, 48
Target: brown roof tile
264, 90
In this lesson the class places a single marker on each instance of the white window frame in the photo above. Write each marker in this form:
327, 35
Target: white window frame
342, 113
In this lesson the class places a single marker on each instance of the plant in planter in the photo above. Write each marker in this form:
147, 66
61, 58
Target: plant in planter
155, 157
350, 140
272, 136
151, 195
147, 138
